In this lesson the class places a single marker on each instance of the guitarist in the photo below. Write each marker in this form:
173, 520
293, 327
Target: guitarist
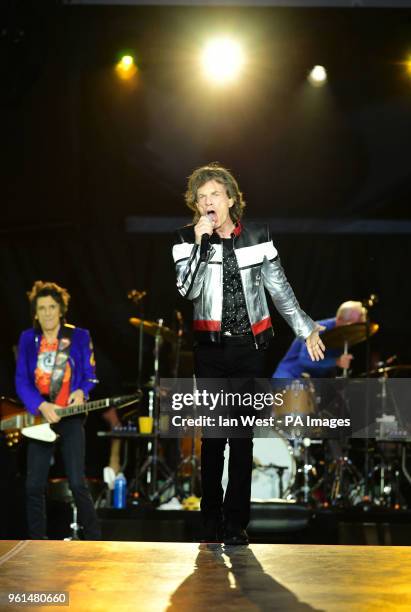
55, 368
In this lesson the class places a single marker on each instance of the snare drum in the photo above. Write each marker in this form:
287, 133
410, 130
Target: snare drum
267, 480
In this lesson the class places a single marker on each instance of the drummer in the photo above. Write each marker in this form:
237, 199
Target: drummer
297, 362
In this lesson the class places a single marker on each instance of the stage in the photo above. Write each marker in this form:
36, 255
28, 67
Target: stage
169, 576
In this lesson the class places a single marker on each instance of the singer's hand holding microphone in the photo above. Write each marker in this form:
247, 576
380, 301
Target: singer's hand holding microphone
203, 231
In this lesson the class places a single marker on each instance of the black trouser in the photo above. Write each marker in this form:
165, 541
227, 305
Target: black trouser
39, 454
234, 358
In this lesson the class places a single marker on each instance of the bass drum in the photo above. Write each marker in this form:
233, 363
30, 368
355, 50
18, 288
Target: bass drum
269, 454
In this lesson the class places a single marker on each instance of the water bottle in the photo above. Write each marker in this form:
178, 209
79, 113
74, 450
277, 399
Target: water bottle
120, 491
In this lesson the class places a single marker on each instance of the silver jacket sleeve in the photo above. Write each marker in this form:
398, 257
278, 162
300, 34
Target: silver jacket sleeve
190, 270
277, 285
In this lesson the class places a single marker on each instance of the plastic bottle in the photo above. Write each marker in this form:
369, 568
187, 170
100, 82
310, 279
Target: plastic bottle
120, 491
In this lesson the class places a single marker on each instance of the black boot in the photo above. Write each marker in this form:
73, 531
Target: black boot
235, 535
212, 530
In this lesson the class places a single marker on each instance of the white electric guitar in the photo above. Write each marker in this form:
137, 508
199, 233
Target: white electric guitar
44, 432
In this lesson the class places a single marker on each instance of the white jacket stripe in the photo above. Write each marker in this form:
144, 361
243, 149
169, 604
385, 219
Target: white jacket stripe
182, 251
253, 255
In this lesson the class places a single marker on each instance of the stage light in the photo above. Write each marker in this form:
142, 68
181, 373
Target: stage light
222, 60
318, 76
126, 62
126, 67
408, 64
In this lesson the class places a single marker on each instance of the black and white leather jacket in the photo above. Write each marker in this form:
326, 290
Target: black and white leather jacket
260, 268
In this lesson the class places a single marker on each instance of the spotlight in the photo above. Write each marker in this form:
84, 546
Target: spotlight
126, 62
222, 60
126, 67
318, 76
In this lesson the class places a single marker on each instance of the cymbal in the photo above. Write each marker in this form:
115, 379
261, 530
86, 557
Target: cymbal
353, 333
397, 371
152, 328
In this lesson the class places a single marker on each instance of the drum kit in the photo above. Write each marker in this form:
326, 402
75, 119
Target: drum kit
316, 472
365, 472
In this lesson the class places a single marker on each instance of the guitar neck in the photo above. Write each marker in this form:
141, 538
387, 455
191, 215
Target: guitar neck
87, 407
98, 405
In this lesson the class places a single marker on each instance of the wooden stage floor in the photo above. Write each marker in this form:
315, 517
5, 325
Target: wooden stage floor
117, 576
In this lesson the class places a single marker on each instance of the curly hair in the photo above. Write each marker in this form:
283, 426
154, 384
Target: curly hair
44, 289
216, 172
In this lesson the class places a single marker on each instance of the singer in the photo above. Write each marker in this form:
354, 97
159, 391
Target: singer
224, 266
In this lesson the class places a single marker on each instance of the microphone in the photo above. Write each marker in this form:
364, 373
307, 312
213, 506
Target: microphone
205, 242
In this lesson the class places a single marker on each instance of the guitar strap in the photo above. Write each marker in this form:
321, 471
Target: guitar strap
62, 356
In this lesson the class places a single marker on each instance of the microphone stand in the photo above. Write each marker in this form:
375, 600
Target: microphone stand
367, 303
137, 298
178, 343
154, 463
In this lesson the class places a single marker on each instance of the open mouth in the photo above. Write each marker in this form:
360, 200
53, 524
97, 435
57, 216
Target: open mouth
212, 216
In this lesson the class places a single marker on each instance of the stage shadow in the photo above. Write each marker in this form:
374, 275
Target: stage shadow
231, 577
